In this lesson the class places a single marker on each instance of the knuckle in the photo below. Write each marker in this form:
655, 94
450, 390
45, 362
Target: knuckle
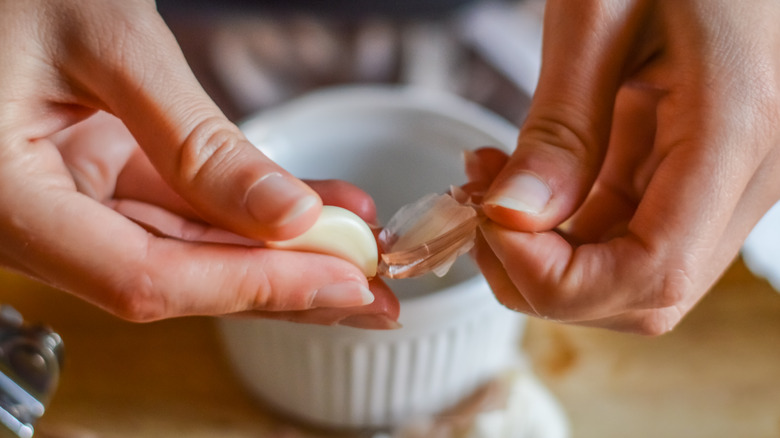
651, 327
567, 133
136, 296
136, 300
673, 291
259, 288
658, 322
571, 296
211, 145
664, 276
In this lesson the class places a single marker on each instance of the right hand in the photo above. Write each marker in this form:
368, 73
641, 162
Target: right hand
651, 149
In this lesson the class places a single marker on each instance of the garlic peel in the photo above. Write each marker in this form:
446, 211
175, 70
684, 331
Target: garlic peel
427, 236
340, 233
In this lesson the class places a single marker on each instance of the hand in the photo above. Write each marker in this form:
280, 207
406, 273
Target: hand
650, 151
70, 173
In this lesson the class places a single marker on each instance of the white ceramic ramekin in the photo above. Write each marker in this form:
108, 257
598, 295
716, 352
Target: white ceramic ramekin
398, 144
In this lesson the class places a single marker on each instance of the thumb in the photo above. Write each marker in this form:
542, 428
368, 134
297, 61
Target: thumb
563, 141
139, 74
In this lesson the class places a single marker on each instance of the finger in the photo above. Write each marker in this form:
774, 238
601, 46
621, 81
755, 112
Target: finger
164, 223
140, 181
563, 140
484, 164
95, 151
629, 162
382, 314
498, 279
137, 72
588, 282
649, 322
595, 293
346, 195
105, 162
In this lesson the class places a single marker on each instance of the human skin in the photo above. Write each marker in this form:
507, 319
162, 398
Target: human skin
649, 153
106, 138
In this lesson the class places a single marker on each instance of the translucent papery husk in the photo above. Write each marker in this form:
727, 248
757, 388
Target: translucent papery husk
427, 236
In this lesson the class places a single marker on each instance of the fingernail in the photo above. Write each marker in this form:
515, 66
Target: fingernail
370, 322
277, 189
298, 209
342, 295
522, 192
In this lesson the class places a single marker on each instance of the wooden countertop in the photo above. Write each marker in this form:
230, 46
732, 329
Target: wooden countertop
716, 375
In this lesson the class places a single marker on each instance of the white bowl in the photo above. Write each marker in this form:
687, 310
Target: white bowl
761, 250
397, 144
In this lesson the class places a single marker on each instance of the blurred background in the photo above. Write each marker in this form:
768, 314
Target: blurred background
251, 55
716, 375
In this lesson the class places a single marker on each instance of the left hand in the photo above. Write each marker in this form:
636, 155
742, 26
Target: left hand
107, 164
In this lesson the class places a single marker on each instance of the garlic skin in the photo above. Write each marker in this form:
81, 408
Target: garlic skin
427, 236
340, 233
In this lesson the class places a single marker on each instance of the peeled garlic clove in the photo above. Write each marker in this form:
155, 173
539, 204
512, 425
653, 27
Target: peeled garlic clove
337, 232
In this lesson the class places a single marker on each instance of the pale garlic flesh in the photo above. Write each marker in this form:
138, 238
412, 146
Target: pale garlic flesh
340, 233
